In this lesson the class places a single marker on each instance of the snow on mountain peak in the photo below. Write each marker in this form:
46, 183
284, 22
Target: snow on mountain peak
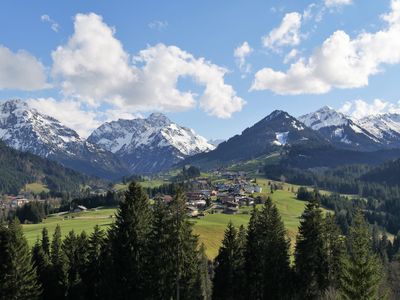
135, 140
324, 117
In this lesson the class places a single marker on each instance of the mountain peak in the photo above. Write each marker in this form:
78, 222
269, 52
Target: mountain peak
277, 114
159, 118
326, 116
13, 104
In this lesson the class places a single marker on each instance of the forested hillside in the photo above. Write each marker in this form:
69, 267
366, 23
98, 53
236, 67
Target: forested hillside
19, 168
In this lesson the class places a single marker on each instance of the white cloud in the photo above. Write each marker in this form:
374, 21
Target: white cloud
241, 53
94, 68
158, 25
335, 3
70, 113
21, 71
286, 34
290, 56
359, 109
53, 24
341, 62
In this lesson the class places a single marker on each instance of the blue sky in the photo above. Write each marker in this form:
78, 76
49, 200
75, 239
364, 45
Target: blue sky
85, 62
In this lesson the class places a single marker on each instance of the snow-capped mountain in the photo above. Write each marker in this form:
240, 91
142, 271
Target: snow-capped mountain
340, 129
271, 134
25, 129
149, 145
385, 127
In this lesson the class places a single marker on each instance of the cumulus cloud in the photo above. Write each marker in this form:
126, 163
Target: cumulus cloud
359, 109
53, 24
21, 71
94, 67
336, 3
158, 25
70, 113
341, 62
286, 34
241, 53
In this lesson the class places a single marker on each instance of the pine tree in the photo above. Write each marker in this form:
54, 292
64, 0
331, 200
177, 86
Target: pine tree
45, 241
129, 240
362, 272
272, 255
41, 262
18, 279
310, 258
226, 283
94, 271
334, 248
58, 284
185, 254
75, 249
160, 267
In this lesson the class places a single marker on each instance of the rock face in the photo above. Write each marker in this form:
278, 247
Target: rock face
149, 145
25, 129
341, 130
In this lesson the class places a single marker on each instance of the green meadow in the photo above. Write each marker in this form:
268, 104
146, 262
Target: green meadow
210, 228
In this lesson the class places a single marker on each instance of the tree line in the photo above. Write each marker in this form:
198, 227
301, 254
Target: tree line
150, 252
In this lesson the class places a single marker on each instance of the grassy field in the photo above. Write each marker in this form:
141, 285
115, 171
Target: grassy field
35, 188
146, 184
209, 228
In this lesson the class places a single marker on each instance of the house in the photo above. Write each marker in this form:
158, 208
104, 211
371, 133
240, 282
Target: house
79, 208
258, 189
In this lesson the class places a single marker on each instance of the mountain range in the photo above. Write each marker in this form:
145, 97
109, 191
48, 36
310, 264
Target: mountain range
153, 144
113, 150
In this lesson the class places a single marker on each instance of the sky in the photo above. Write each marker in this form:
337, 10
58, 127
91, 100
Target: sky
214, 66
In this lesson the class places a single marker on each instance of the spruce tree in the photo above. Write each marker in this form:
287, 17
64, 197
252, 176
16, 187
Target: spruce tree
94, 271
228, 266
272, 255
41, 262
310, 258
18, 279
129, 240
45, 241
75, 250
185, 254
362, 271
334, 248
58, 284
160, 267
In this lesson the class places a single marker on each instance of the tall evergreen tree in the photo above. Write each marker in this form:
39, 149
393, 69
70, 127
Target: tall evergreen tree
129, 240
18, 279
228, 266
160, 267
45, 243
272, 254
94, 271
58, 284
334, 247
362, 272
310, 258
75, 249
41, 262
185, 254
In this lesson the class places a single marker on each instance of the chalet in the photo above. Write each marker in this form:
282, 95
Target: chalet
79, 208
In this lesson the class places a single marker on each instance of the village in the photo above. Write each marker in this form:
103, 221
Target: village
226, 194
